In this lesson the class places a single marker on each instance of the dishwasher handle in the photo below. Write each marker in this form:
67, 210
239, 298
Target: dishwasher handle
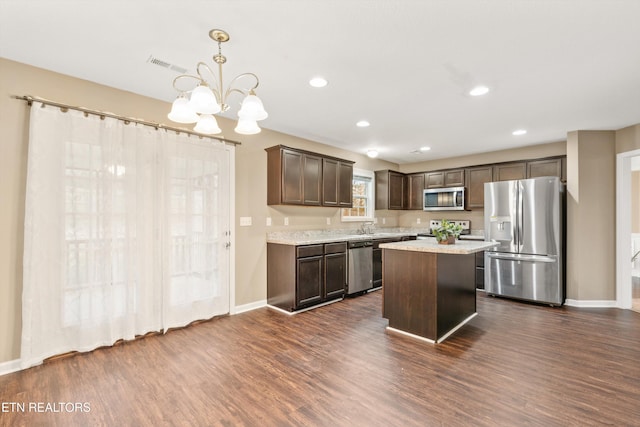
360, 244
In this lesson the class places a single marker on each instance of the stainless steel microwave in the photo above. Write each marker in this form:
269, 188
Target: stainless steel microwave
444, 199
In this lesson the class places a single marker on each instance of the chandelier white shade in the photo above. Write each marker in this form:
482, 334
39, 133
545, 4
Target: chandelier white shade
199, 103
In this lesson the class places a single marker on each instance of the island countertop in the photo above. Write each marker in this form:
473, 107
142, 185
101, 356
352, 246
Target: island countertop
461, 247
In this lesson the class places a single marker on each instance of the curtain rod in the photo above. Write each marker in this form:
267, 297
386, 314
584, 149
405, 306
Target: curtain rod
31, 99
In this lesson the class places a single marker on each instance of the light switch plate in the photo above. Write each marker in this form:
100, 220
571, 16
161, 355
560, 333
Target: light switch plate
268, 221
286, 221
245, 221
328, 221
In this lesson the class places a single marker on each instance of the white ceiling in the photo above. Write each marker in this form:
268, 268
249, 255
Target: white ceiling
406, 66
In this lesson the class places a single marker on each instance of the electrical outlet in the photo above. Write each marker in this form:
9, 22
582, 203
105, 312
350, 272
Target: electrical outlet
328, 221
384, 221
418, 220
286, 221
268, 221
245, 221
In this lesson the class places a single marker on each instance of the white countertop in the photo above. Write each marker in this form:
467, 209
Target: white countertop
461, 247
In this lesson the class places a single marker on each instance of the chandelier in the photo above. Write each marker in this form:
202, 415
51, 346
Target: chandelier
203, 99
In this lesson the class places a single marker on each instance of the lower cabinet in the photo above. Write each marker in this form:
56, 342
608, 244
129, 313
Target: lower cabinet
303, 276
480, 270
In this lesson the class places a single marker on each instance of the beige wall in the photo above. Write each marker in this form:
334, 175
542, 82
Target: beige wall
628, 139
591, 215
20, 79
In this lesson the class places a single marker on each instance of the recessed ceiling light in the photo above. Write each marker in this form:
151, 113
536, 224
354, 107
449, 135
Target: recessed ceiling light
372, 153
479, 90
425, 149
363, 124
519, 132
318, 82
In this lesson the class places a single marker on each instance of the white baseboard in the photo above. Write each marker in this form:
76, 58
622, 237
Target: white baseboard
590, 303
10, 366
248, 307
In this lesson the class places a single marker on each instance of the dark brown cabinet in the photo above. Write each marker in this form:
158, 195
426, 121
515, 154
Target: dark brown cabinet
309, 280
335, 270
476, 178
391, 189
447, 178
480, 270
298, 177
415, 190
509, 171
303, 276
434, 180
545, 167
337, 182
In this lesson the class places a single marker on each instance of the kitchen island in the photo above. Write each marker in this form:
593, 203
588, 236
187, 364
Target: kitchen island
429, 289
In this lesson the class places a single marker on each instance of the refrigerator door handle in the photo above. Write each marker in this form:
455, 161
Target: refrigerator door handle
520, 220
519, 257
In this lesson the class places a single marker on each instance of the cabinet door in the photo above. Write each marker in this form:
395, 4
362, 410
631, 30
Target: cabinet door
477, 177
510, 171
329, 182
345, 185
309, 279
292, 177
454, 178
434, 180
415, 190
377, 268
397, 187
547, 167
312, 167
335, 275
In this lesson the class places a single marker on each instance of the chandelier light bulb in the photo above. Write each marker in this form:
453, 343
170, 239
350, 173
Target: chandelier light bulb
208, 125
203, 100
247, 127
252, 109
181, 112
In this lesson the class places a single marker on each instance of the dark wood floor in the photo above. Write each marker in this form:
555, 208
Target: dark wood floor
514, 365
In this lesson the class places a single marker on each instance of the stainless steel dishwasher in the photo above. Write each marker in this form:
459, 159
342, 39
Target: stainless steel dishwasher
360, 266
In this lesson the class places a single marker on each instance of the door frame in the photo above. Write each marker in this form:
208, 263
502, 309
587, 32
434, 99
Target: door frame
623, 228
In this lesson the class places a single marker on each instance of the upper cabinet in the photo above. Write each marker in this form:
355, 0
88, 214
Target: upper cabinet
391, 190
544, 167
415, 190
337, 178
447, 178
298, 177
509, 171
476, 178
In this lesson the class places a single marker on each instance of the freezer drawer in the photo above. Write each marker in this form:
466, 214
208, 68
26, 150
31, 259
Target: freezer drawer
528, 277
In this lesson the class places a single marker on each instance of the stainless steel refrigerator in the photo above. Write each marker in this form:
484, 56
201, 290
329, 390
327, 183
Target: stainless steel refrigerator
526, 218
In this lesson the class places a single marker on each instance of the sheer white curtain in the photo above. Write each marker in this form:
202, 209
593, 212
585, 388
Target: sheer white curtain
125, 230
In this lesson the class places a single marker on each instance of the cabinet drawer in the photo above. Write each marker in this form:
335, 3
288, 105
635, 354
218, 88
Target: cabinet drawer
309, 250
335, 248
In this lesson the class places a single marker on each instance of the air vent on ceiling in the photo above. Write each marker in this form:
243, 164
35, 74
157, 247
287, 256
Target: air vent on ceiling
165, 64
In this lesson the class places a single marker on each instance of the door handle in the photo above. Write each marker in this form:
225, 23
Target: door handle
517, 257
